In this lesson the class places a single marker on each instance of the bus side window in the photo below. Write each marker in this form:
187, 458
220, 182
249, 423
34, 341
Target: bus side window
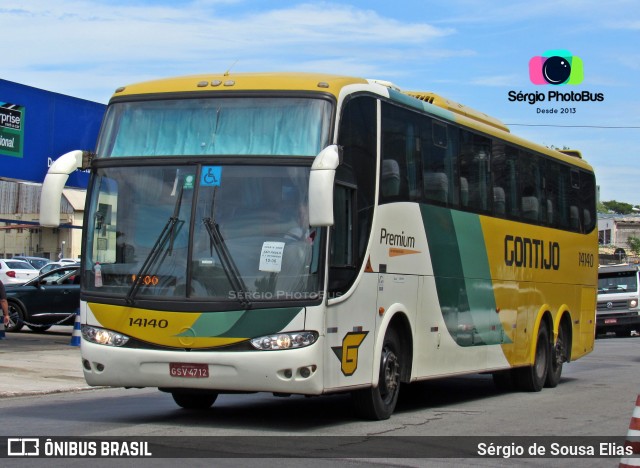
473, 160
587, 200
435, 162
390, 179
400, 146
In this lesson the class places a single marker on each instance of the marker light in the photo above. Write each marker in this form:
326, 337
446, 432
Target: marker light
103, 337
290, 340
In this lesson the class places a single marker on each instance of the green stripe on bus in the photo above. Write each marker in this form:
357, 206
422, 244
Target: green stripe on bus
243, 323
462, 276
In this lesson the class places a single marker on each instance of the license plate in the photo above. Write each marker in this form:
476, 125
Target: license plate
188, 370
610, 321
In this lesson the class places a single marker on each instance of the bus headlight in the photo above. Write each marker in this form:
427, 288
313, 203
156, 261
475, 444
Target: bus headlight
103, 337
288, 340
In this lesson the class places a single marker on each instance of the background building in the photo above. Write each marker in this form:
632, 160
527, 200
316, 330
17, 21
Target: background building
614, 232
36, 127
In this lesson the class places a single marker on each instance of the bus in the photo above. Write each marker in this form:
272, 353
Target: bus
307, 234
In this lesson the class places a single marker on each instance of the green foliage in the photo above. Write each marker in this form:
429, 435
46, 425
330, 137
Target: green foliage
618, 207
634, 245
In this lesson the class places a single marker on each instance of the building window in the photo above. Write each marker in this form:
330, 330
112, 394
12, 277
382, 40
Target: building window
604, 237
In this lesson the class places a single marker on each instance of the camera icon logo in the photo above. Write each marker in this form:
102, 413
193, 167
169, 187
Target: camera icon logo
556, 67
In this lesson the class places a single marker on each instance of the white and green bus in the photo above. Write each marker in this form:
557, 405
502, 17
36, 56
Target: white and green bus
312, 234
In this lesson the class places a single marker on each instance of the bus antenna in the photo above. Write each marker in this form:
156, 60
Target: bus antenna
229, 69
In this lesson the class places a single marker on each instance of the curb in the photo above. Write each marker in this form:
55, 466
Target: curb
49, 392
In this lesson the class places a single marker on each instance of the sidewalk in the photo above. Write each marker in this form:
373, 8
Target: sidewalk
37, 364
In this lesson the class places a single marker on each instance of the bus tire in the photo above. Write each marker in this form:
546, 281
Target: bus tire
558, 357
194, 400
378, 402
532, 378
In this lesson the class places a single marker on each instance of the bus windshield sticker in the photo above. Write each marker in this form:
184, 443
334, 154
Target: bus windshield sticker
271, 256
211, 176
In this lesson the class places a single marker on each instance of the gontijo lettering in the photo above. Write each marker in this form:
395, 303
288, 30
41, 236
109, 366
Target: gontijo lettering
531, 253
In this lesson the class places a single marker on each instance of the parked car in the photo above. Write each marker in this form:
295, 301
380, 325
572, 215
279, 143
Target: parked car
16, 271
69, 260
49, 299
52, 266
36, 262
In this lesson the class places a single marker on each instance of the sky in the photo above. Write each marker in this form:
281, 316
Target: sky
477, 53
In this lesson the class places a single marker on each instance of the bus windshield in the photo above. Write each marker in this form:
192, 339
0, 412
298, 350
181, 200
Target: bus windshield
221, 233
257, 126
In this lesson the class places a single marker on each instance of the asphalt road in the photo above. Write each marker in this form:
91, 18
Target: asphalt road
595, 398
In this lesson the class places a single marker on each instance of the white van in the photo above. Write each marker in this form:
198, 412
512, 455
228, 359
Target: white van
618, 297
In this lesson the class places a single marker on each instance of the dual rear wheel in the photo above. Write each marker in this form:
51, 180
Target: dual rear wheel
547, 365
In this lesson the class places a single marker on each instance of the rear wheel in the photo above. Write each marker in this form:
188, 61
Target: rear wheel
532, 378
378, 402
559, 354
194, 400
16, 317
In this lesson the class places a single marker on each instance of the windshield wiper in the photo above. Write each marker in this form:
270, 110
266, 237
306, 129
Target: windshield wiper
171, 227
228, 265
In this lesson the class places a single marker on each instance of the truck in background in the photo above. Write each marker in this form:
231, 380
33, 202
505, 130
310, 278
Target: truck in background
618, 299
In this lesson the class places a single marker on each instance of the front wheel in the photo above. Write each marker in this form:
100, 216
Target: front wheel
194, 400
378, 402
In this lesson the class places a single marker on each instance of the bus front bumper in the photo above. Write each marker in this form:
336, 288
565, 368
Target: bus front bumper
293, 371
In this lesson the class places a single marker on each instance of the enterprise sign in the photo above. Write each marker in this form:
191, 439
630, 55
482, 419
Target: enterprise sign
11, 134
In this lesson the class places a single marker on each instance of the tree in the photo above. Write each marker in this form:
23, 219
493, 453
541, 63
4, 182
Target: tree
618, 207
634, 245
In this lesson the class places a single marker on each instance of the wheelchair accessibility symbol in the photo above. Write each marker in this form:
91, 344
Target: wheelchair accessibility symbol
211, 176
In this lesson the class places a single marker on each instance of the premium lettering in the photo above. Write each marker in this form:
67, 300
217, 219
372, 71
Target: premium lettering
396, 240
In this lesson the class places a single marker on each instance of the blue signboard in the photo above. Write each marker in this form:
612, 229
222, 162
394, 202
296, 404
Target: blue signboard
211, 176
37, 126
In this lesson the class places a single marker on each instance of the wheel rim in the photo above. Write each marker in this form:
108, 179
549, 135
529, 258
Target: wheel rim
14, 316
558, 350
389, 375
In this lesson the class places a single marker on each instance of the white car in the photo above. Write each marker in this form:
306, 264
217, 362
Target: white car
52, 266
16, 271
68, 261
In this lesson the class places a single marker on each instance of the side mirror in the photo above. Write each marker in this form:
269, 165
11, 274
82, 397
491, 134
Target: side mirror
323, 172
54, 183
